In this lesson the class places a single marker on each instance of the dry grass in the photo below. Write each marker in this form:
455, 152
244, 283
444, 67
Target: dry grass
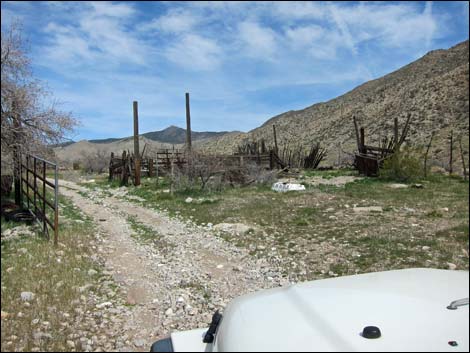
54, 275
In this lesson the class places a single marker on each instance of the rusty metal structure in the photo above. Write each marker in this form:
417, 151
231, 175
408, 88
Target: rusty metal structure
36, 190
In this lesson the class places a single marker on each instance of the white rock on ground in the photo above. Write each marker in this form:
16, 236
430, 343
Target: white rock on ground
398, 186
235, 228
368, 209
27, 296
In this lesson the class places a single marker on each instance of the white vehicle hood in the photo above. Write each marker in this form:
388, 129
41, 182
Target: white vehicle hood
408, 306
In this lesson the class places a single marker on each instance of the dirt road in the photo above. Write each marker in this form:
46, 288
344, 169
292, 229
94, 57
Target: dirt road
173, 281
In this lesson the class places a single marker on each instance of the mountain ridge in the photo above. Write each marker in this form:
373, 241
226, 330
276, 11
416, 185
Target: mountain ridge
433, 89
171, 134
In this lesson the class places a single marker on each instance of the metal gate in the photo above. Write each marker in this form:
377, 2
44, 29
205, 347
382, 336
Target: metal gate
37, 192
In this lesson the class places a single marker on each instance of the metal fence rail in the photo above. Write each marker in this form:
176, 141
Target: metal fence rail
33, 179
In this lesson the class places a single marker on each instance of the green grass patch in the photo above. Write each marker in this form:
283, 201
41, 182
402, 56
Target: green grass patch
147, 235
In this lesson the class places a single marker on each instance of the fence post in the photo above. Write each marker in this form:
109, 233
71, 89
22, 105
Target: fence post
56, 206
156, 168
27, 180
136, 146
426, 156
44, 225
363, 140
463, 160
150, 161
171, 181
35, 185
275, 139
356, 129
395, 133
188, 125
451, 148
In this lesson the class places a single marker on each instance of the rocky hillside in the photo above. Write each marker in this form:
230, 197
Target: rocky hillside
434, 89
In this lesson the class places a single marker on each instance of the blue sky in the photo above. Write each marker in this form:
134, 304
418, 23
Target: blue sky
242, 62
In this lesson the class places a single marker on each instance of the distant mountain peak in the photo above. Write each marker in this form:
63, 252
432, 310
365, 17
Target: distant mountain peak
172, 134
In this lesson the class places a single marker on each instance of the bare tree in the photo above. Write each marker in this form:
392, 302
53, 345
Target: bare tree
204, 167
27, 123
95, 162
198, 171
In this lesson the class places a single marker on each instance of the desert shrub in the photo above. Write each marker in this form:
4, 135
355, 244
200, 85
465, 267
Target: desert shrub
206, 173
196, 174
181, 180
95, 162
402, 166
76, 165
257, 174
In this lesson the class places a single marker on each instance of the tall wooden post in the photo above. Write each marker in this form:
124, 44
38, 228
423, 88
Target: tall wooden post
275, 140
156, 168
451, 149
136, 146
150, 167
363, 140
188, 125
356, 129
463, 160
172, 178
395, 133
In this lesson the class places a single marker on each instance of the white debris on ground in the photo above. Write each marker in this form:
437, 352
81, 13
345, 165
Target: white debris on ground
16, 232
283, 187
368, 209
136, 198
234, 228
397, 186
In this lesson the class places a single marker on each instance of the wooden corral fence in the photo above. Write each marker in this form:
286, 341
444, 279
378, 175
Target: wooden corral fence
35, 186
121, 168
267, 160
287, 157
369, 159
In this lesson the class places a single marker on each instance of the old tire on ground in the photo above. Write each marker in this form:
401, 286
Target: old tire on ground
20, 216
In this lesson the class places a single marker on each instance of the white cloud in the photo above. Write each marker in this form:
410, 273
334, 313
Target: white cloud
340, 26
304, 36
111, 9
259, 42
174, 22
391, 25
98, 36
195, 52
319, 43
295, 10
